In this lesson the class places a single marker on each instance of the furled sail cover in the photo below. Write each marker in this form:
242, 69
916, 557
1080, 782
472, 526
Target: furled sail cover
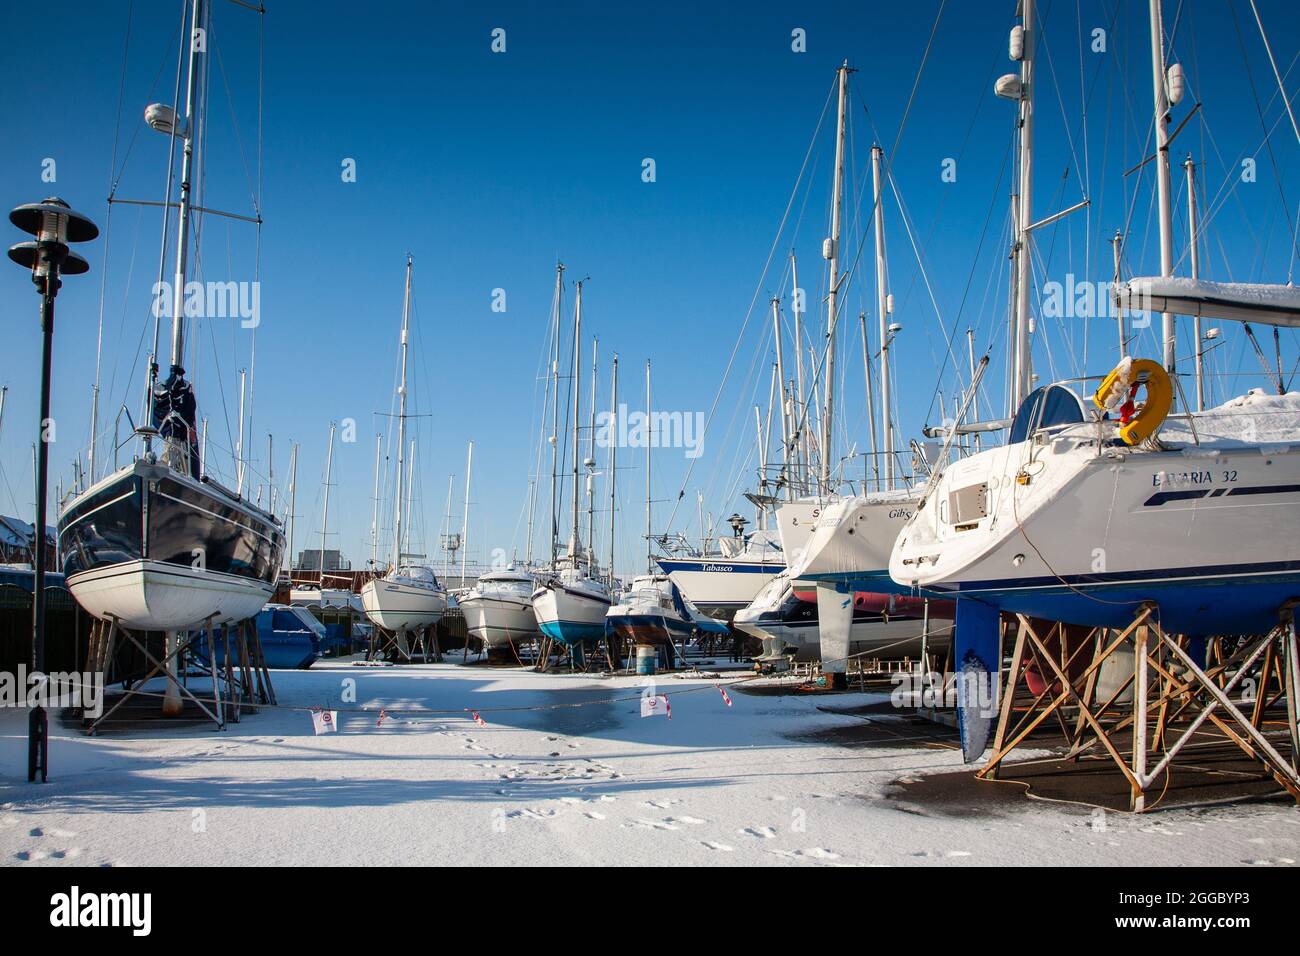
174, 414
1238, 301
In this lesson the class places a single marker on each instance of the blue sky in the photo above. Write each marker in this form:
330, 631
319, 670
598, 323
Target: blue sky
488, 167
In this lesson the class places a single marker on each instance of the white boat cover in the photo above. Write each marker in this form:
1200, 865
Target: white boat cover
1237, 301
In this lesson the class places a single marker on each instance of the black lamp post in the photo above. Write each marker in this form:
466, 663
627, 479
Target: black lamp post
54, 224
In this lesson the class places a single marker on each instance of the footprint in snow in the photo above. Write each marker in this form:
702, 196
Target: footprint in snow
1276, 861
955, 853
643, 824
816, 853
593, 815
31, 856
720, 847
689, 821
660, 804
762, 833
533, 814
69, 854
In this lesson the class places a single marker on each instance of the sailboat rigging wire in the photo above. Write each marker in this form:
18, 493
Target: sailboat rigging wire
1273, 63
970, 276
1268, 144
753, 300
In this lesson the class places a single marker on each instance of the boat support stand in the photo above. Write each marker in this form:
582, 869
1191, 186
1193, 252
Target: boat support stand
1173, 697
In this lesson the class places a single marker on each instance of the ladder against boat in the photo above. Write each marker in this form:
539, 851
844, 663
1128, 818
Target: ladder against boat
1144, 698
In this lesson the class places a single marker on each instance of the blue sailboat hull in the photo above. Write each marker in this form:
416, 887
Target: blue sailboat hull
1231, 600
573, 632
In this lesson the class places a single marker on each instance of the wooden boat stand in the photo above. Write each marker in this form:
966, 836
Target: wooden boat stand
1172, 698
243, 672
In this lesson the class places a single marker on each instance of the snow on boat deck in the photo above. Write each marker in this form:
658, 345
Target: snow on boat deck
769, 780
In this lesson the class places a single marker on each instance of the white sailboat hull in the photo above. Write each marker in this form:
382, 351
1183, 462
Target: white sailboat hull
395, 606
853, 537
153, 595
1208, 533
570, 615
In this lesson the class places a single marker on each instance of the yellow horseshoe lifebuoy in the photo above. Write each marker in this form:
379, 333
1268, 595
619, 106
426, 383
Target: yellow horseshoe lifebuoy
1140, 424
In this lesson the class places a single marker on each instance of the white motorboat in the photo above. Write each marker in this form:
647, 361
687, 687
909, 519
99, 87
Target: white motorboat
785, 618
654, 611
723, 583
499, 608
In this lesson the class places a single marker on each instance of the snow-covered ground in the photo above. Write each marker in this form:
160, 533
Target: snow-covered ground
566, 785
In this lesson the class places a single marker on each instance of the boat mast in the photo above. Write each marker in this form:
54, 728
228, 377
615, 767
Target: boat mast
197, 47
446, 532
831, 251
882, 310
374, 514
270, 473
464, 521
1023, 358
410, 499
785, 418
401, 421
649, 423
293, 501
1196, 274
532, 509
555, 413
325, 512
873, 470
1163, 186
239, 441
761, 445
1119, 312
577, 410
801, 406
591, 463
613, 446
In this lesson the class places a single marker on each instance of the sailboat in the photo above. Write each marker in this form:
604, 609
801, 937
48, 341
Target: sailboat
570, 604
407, 596
160, 544
1092, 510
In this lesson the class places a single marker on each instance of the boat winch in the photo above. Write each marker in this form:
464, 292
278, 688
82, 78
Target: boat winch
1119, 392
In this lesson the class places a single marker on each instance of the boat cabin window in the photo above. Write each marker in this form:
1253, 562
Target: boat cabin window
1043, 408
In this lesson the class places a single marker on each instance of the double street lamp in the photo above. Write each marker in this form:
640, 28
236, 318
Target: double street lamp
54, 224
